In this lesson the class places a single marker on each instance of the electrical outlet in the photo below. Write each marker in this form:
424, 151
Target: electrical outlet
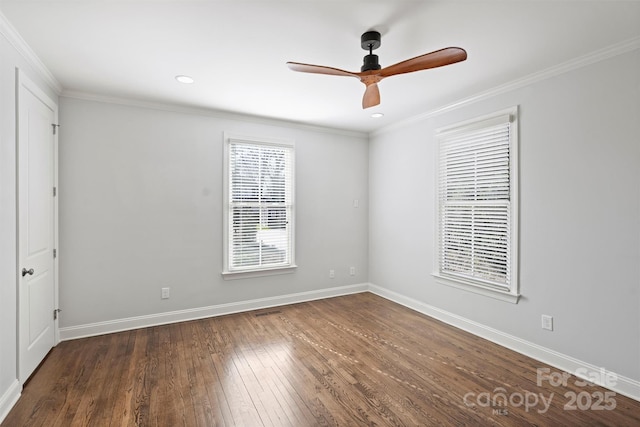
352, 271
547, 322
356, 203
165, 293
332, 274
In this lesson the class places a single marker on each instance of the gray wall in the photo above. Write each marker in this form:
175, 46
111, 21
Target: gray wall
140, 209
579, 214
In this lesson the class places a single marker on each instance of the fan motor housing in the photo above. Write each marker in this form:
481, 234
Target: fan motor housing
370, 63
370, 41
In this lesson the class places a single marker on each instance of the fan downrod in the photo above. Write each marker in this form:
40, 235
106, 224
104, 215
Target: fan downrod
370, 41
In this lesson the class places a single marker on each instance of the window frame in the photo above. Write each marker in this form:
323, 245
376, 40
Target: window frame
476, 285
228, 272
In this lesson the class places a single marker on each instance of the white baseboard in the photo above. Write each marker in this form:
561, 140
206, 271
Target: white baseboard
118, 325
9, 398
622, 385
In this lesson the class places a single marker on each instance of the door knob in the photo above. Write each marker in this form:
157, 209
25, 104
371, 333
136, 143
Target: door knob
25, 272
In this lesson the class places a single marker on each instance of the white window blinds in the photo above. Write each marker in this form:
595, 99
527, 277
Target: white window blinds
260, 203
475, 203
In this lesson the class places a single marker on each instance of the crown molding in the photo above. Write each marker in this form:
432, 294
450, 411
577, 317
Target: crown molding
573, 64
207, 112
16, 40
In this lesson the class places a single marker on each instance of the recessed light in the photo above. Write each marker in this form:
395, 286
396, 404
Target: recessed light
377, 115
185, 79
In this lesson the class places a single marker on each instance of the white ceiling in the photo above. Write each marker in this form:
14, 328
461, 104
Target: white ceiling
236, 50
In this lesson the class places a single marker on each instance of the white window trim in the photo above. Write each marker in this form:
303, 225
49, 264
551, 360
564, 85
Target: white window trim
228, 274
512, 294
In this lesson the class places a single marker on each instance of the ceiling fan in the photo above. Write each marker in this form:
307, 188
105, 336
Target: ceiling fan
371, 72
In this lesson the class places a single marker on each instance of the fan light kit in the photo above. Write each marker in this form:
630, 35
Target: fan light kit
371, 73
377, 115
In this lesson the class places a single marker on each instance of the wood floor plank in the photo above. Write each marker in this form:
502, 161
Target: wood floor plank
242, 406
285, 363
85, 389
296, 378
255, 360
205, 409
353, 360
208, 380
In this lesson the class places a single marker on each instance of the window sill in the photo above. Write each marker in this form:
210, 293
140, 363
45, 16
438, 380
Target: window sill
246, 274
469, 286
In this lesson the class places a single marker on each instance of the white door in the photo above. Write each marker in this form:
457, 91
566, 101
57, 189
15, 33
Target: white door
37, 275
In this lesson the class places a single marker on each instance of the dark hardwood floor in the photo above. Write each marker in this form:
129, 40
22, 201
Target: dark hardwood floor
350, 361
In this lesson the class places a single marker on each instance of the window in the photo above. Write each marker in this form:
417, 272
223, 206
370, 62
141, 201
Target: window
259, 208
477, 205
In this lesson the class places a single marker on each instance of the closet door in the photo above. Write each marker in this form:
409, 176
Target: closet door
37, 284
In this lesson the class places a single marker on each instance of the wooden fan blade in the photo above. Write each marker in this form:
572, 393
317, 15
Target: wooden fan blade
371, 96
438, 58
319, 69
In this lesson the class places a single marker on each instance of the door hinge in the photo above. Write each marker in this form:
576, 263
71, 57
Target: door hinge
55, 191
55, 253
55, 126
55, 313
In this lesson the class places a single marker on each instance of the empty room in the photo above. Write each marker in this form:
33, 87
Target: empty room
301, 213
